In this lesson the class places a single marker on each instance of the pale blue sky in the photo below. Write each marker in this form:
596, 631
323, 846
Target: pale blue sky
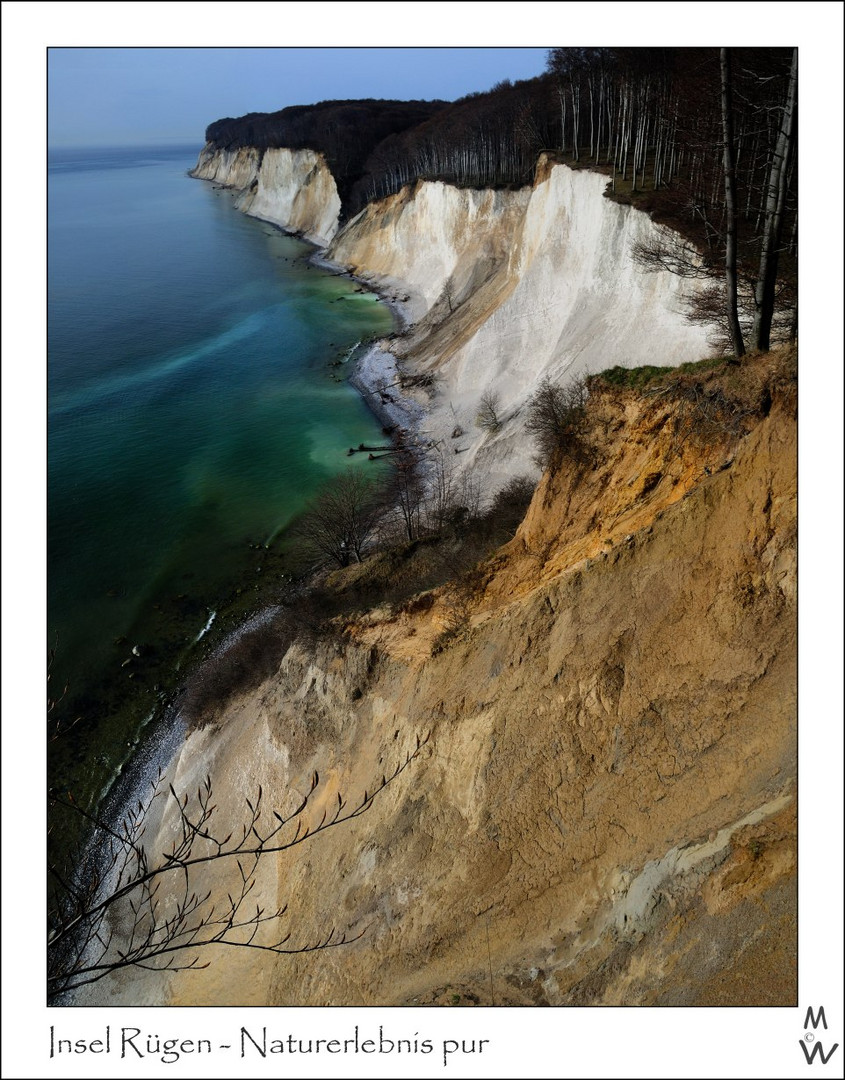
115, 96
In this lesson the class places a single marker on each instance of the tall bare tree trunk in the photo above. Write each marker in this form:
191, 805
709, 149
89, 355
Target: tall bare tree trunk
764, 294
730, 205
562, 117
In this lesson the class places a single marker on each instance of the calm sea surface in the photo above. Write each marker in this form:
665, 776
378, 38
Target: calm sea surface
193, 404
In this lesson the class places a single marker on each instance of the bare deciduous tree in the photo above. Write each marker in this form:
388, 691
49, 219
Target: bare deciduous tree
451, 496
555, 418
341, 520
487, 416
126, 904
671, 251
442, 492
408, 494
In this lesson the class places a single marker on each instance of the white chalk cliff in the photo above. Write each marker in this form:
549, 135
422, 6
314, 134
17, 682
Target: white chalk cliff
290, 188
499, 289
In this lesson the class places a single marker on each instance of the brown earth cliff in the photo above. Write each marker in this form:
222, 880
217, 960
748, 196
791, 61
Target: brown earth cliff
605, 810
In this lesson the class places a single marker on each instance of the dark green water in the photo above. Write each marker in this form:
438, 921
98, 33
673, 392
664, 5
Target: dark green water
193, 410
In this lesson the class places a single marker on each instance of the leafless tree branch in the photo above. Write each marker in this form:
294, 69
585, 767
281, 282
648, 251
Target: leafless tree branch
127, 907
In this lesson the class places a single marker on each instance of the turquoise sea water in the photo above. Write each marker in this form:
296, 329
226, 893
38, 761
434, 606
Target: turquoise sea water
193, 406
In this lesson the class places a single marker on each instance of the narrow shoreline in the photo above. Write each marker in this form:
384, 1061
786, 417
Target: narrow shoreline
376, 374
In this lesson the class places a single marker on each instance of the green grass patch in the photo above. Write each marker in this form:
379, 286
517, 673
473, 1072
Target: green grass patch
632, 378
696, 367
638, 377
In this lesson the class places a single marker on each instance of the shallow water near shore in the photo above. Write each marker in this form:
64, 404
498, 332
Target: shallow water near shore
197, 400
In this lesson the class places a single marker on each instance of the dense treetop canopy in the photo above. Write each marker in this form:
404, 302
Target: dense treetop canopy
345, 132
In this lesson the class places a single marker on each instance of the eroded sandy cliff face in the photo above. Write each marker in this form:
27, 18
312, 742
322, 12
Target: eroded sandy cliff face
608, 790
290, 188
